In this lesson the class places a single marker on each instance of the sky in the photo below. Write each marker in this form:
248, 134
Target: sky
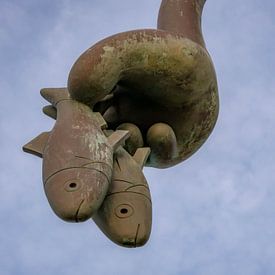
212, 214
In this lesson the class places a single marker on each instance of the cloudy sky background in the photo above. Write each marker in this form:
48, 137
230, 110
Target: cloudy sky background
213, 214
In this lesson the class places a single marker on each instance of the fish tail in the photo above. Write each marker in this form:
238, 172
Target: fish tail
54, 95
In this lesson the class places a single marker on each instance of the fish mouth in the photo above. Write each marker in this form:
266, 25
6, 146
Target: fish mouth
75, 194
78, 216
133, 242
137, 235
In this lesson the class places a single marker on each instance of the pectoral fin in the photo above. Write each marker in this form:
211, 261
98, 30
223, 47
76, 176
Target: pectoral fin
141, 155
118, 138
50, 111
37, 145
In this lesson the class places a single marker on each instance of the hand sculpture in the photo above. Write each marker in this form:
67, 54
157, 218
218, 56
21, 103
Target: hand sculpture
142, 97
147, 77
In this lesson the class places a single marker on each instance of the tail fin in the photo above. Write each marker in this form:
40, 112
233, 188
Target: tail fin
50, 111
54, 95
117, 138
141, 155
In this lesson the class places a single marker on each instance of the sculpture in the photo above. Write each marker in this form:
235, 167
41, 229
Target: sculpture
142, 97
77, 157
125, 215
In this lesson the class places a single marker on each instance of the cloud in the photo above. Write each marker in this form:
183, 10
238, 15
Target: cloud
213, 214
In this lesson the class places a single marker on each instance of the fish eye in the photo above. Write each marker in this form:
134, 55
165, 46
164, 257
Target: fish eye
124, 211
72, 185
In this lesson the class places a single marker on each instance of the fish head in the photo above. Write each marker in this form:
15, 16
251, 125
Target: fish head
75, 194
126, 218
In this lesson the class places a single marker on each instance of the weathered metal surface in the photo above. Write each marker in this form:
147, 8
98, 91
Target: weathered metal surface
158, 85
154, 76
182, 17
77, 158
125, 215
135, 139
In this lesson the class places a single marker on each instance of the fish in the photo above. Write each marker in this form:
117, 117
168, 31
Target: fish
77, 157
125, 215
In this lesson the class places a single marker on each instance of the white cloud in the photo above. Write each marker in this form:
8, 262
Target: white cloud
213, 214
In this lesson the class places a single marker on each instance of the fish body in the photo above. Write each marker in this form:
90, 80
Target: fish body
125, 215
77, 157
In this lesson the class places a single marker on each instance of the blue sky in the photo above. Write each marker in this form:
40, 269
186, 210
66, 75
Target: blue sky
213, 214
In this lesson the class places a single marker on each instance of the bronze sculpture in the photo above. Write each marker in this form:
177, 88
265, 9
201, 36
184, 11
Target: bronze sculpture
155, 91
77, 157
125, 215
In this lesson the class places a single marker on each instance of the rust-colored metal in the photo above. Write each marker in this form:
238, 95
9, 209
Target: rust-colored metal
157, 91
154, 76
182, 18
135, 140
77, 157
125, 215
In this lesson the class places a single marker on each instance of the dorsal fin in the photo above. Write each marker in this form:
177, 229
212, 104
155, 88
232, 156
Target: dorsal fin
118, 138
36, 146
50, 111
141, 155
54, 95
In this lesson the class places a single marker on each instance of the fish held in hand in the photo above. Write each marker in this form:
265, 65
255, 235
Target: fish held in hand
77, 157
